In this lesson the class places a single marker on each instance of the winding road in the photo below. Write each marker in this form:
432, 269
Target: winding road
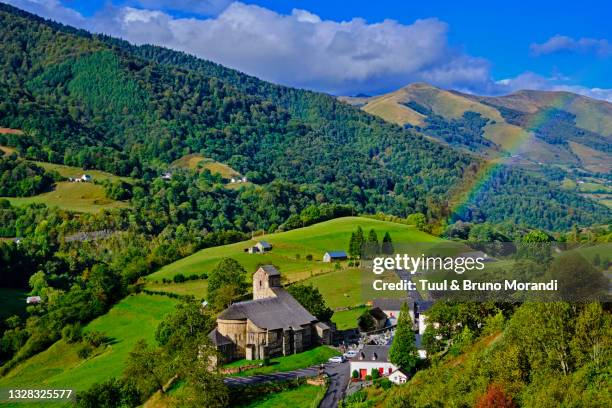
338, 374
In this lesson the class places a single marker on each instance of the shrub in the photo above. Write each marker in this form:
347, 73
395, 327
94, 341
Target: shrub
375, 374
309, 257
72, 333
84, 351
385, 383
355, 374
95, 338
193, 277
368, 377
204, 276
178, 278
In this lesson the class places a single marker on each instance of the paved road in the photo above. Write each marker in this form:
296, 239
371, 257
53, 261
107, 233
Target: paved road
339, 376
338, 373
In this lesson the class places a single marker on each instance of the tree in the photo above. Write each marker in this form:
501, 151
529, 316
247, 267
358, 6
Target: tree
387, 244
148, 367
109, 394
230, 276
403, 352
354, 252
371, 246
359, 241
418, 220
312, 300
495, 397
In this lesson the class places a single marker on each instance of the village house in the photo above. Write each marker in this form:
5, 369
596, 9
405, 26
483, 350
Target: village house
334, 256
33, 300
391, 308
379, 318
259, 248
272, 324
399, 376
83, 178
372, 357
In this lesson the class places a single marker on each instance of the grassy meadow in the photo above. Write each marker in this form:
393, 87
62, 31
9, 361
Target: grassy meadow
70, 171
308, 358
196, 161
135, 317
78, 197
304, 396
290, 250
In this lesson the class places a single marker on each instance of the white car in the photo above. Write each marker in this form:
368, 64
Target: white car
350, 354
337, 359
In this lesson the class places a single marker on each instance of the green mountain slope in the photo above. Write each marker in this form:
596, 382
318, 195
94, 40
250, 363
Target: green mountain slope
96, 102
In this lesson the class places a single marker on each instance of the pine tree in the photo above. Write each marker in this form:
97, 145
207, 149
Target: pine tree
372, 247
359, 241
387, 244
403, 352
353, 250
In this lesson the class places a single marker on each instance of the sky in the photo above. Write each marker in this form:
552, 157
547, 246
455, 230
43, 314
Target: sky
365, 47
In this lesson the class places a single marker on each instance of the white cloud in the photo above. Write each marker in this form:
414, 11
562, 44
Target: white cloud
562, 43
301, 49
529, 80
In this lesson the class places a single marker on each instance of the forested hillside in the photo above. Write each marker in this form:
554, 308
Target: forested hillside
95, 102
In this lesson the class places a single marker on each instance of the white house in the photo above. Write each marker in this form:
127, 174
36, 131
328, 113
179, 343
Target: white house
399, 376
332, 256
85, 177
33, 300
372, 357
166, 176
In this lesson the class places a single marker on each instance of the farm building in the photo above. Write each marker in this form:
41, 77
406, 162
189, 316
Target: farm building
259, 248
399, 376
166, 176
391, 307
372, 357
379, 317
33, 300
272, 324
333, 256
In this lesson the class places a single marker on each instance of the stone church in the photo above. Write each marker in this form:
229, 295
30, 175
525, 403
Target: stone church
272, 324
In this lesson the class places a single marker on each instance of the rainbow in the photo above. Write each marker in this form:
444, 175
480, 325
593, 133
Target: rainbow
475, 184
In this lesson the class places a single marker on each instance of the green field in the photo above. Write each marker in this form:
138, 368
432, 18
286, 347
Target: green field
136, 317
195, 288
308, 358
314, 240
347, 319
69, 171
339, 288
12, 302
196, 161
304, 396
78, 197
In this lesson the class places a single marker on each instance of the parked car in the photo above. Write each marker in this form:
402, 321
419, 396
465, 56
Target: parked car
337, 359
350, 354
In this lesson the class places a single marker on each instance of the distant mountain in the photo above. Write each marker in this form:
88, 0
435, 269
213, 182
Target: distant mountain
532, 127
93, 101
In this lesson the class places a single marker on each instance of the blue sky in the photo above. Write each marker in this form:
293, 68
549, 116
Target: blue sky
347, 47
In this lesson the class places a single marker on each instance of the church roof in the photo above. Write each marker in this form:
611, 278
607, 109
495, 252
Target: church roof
217, 338
279, 312
270, 270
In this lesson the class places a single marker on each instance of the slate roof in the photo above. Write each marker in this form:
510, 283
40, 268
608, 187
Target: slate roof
265, 244
372, 353
337, 254
378, 314
218, 339
280, 312
270, 270
389, 303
